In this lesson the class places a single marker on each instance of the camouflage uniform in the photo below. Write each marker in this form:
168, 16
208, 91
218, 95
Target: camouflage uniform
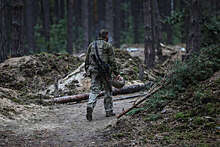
106, 53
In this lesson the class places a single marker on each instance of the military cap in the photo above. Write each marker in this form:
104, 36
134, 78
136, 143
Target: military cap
103, 33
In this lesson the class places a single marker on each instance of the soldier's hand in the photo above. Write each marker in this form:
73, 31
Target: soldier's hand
118, 77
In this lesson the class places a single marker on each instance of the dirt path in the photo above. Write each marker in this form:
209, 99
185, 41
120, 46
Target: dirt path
59, 125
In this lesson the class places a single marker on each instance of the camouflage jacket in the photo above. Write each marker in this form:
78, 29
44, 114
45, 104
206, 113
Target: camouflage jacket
106, 53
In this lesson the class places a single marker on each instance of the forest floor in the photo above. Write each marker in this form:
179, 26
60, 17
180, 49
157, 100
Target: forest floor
59, 125
65, 125
181, 122
24, 121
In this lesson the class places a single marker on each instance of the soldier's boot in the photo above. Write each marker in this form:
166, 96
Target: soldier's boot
110, 113
89, 114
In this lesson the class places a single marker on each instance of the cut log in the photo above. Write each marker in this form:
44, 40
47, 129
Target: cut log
80, 97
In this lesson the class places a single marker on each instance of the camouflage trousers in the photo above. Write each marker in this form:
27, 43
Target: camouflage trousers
97, 84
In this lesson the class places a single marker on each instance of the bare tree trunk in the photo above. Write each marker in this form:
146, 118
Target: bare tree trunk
109, 22
4, 30
217, 9
149, 46
85, 23
70, 6
117, 22
62, 9
77, 23
46, 20
56, 10
194, 35
124, 16
169, 30
30, 20
135, 14
101, 13
17, 25
152, 51
158, 34
92, 26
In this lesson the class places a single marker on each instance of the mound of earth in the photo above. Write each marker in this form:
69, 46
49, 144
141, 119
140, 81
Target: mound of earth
33, 73
33, 77
128, 65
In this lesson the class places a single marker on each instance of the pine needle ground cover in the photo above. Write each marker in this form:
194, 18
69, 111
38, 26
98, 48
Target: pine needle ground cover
184, 113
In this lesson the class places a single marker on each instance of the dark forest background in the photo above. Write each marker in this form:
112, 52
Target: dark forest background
68, 26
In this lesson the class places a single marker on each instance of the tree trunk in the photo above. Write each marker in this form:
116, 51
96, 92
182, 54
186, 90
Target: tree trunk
149, 36
125, 16
30, 20
158, 34
91, 21
101, 13
135, 14
217, 9
169, 30
77, 23
117, 22
194, 35
36, 10
152, 51
17, 25
109, 19
56, 10
148, 31
46, 20
70, 6
62, 9
85, 23
4, 30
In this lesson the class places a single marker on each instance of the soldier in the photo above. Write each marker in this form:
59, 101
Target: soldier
99, 65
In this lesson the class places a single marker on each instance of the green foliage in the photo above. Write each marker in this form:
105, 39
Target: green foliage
152, 117
211, 31
40, 40
198, 120
135, 111
201, 95
176, 17
198, 68
182, 116
58, 38
58, 35
57, 42
191, 72
127, 36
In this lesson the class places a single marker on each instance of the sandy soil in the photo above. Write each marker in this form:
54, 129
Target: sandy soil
59, 125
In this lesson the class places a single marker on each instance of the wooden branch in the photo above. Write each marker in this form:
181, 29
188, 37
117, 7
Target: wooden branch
136, 104
129, 97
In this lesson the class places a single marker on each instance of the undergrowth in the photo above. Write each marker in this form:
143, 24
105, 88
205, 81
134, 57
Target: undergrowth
185, 74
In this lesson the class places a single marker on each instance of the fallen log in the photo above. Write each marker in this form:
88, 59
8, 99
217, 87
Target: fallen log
80, 97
